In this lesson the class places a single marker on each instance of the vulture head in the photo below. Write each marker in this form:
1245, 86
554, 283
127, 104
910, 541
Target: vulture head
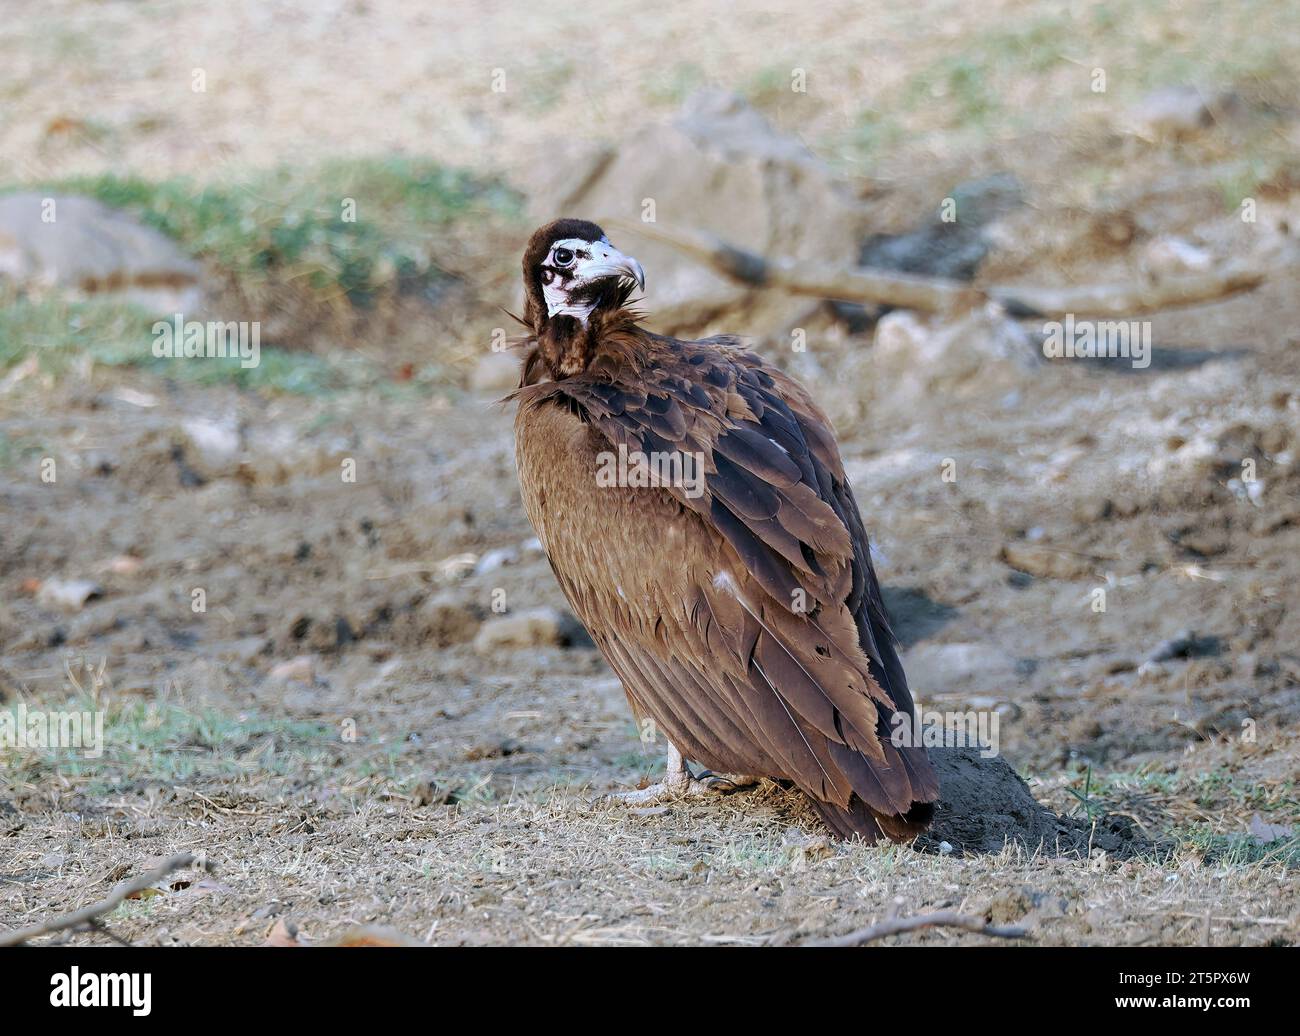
572, 277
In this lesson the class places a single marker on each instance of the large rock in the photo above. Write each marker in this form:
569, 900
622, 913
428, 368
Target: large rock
719, 167
1176, 113
983, 350
949, 249
54, 242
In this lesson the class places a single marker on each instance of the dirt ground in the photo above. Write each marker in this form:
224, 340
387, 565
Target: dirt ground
340, 735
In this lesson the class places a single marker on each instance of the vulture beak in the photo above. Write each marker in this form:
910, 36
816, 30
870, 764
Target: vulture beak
608, 261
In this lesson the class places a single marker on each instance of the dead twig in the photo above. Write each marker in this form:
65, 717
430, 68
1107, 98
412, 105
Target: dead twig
927, 294
939, 919
935, 294
88, 915
1133, 299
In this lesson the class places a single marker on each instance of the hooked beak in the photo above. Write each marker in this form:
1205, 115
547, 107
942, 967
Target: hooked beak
608, 261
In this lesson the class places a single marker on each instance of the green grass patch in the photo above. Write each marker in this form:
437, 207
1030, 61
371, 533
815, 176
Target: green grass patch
358, 227
172, 744
1242, 850
62, 334
66, 337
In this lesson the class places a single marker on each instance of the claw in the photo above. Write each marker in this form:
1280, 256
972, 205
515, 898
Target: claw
726, 783
679, 782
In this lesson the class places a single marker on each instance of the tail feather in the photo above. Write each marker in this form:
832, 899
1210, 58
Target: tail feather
858, 820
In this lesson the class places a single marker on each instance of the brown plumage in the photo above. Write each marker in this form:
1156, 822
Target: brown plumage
739, 608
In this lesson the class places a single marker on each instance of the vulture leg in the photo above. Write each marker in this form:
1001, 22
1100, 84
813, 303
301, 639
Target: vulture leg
680, 782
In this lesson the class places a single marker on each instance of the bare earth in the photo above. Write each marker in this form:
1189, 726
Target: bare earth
398, 775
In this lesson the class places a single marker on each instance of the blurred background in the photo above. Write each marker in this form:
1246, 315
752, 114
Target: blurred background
304, 593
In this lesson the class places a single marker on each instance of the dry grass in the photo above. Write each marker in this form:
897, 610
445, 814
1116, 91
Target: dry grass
888, 86
462, 811
551, 870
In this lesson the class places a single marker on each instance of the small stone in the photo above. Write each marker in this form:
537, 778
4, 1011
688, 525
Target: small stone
1186, 644
68, 594
457, 566
445, 620
1264, 832
122, 565
1044, 561
535, 627
1169, 257
212, 447
301, 669
494, 559
1174, 113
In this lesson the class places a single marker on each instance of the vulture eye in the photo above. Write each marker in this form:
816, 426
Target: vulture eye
564, 257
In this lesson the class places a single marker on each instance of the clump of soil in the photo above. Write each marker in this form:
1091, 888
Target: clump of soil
984, 805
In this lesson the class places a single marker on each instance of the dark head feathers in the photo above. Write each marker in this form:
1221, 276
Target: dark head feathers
534, 255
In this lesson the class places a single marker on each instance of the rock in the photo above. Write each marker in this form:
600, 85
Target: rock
457, 566
1186, 645
67, 594
1264, 832
952, 249
445, 619
302, 669
1045, 562
983, 347
1010, 905
121, 565
1093, 508
1174, 113
1113, 228
214, 446
495, 749
1025, 904
719, 168
88, 248
495, 559
495, 372
276, 452
1169, 258
535, 627
901, 337
96, 623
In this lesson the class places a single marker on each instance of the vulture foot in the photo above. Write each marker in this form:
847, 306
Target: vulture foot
679, 782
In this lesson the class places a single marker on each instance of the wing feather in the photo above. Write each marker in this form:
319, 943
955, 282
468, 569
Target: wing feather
759, 641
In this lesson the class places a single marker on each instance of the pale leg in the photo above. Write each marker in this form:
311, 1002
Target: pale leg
680, 782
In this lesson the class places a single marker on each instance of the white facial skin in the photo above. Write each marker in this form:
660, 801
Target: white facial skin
574, 263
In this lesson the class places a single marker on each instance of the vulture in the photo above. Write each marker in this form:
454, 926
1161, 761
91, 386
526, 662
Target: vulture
692, 503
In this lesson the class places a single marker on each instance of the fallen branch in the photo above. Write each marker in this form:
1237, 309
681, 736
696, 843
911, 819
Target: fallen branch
936, 294
88, 915
928, 294
942, 918
1124, 300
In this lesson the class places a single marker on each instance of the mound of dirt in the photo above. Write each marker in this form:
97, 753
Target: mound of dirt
983, 805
